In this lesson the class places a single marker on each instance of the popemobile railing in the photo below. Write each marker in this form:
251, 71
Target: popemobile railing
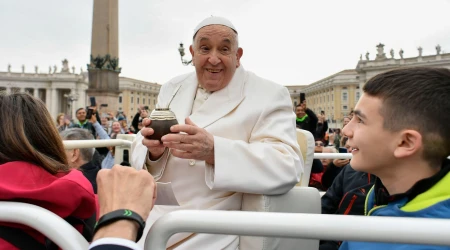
300, 225
123, 142
285, 225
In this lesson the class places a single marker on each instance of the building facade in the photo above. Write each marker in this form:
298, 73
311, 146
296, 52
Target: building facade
136, 93
338, 94
65, 91
295, 94
62, 91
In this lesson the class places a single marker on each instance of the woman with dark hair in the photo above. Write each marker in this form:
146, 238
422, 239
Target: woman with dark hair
34, 170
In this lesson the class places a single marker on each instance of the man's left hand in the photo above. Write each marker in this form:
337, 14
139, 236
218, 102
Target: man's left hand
194, 142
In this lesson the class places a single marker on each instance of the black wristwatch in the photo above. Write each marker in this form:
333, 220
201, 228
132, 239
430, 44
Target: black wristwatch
121, 214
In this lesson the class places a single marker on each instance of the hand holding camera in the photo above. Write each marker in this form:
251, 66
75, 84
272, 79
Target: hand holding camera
93, 116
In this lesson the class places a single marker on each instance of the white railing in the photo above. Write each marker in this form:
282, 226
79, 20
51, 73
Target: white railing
71, 144
49, 224
335, 156
306, 226
123, 142
332, 156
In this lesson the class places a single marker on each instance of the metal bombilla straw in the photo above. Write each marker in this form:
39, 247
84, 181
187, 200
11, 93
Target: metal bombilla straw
173, 96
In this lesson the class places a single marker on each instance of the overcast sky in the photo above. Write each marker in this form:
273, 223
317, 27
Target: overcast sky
290, 42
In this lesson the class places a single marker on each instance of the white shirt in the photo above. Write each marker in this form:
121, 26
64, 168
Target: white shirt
201, 96
115, 241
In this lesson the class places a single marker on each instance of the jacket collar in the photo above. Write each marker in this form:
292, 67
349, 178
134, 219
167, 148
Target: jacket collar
382, 196
216, 106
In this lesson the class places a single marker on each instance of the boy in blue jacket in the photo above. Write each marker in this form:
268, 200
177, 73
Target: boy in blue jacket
401, 133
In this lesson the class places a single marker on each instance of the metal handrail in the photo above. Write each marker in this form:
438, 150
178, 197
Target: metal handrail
71, 144
49, 224
335, 156
300, 225
332, 156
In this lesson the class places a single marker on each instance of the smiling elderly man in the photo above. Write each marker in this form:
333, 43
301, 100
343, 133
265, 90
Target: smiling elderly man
236, 134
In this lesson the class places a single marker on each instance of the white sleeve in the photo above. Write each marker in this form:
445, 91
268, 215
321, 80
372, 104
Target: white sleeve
100, 131
269, 163
115, 241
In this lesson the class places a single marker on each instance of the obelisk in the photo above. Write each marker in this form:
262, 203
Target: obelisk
104, 67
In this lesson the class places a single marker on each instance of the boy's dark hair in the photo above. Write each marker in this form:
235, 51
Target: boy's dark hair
417, 98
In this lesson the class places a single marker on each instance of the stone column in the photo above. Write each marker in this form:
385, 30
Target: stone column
81, 97
36, 92
55, 102
8, 90
48, 100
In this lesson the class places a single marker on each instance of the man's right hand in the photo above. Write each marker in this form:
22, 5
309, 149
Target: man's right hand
124, 188
155, 147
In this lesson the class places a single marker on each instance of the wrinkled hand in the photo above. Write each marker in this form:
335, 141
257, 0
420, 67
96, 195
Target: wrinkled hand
341, 162
195, 143
155, 148
124, 188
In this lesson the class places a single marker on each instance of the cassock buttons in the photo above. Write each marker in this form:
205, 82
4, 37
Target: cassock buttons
191, 162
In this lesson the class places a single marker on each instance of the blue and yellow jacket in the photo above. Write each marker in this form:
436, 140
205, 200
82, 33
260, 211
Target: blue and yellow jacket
428, 198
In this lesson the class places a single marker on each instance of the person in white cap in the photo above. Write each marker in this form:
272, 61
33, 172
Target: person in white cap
236, 134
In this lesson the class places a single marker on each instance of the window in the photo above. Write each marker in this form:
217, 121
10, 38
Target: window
154, 102
132, 99
295, 104
344, 87
328, 98
332, 97
357, 95
143, 100
344, 96
120, 99
344, 107
137, 100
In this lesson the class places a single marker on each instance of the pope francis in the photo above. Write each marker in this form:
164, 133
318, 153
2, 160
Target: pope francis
236, 134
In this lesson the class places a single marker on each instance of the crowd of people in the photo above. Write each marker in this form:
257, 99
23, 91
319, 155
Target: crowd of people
327, 140
236, 134
98, 126
110, 123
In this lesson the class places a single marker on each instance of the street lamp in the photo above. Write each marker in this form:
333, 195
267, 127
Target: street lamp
181, 50
71, 98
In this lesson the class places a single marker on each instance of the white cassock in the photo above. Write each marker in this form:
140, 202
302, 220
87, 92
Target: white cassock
255, 150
